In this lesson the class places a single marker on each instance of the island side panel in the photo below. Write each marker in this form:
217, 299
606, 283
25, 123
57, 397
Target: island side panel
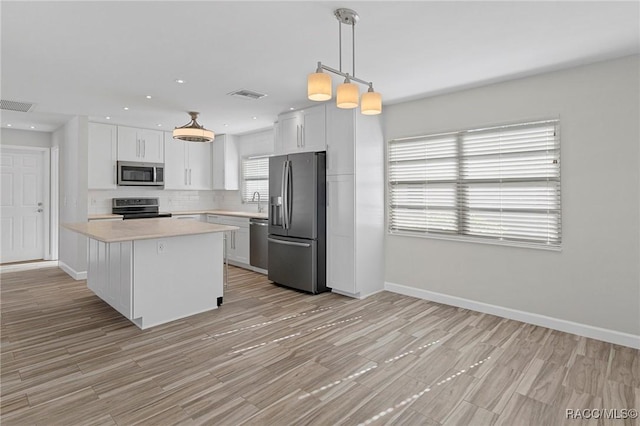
175, 277
109, 273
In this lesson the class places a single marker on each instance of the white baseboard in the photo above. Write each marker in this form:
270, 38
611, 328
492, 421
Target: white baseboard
606, 335
356, 295
72, 272
28, 266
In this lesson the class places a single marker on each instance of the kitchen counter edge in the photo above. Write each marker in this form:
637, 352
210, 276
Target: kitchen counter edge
131, 230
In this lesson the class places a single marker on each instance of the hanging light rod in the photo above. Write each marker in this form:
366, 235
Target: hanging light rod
335, 71
319, 83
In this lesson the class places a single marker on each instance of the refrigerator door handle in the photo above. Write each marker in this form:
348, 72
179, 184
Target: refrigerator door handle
289, 243
288, 210
283, 196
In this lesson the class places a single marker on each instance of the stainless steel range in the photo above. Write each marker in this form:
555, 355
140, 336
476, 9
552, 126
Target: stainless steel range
137, 208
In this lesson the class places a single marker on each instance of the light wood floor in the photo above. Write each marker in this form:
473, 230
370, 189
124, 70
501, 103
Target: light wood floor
274, 356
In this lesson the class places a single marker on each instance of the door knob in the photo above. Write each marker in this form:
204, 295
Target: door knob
40, 204
39, 210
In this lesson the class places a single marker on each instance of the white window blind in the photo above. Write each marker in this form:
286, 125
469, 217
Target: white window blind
495, 184
255, 177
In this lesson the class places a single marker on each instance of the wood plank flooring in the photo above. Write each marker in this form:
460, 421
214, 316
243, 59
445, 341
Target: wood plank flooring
274, 356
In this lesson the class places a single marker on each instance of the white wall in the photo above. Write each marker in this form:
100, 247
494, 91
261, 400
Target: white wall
72, 139
25, 138
595, 279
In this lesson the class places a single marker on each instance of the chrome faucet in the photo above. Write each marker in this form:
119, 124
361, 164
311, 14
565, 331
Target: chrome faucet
253, 198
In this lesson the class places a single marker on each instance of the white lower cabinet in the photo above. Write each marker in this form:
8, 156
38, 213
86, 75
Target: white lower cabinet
340, 234
236, 242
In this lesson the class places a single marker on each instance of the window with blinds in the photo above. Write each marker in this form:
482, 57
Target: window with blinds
499, 184
255, 177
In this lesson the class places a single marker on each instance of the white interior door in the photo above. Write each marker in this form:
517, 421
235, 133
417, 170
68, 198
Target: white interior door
22, 205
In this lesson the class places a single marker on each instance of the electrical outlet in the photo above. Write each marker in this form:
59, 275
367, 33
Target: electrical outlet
161, 247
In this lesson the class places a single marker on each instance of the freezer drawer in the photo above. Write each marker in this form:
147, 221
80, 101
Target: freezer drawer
293, 263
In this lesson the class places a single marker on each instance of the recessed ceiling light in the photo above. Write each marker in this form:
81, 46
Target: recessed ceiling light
179, 80
10, 125
108, 118
291, 109
159, 125
226, 125
255, 118
32, 127
148, 96
126, 108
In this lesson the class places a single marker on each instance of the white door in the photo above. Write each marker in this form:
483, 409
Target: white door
22, 205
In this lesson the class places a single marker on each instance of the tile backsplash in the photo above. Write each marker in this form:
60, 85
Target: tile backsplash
99, 201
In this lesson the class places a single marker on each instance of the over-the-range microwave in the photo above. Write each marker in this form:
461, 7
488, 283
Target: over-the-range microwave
140, 174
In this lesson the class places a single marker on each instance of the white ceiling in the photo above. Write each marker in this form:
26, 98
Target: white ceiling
96, 57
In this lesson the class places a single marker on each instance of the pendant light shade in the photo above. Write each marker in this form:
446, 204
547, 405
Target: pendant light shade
192, 131
347, 94
319, 86
371, 102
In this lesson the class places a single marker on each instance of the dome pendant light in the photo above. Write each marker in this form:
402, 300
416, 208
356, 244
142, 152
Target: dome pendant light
347, 93
193, 132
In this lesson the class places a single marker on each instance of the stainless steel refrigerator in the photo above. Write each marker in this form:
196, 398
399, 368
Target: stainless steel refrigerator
297, 221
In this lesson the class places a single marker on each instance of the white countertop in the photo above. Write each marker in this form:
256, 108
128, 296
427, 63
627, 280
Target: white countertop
104, 216
129, 230
185, 212
236, 213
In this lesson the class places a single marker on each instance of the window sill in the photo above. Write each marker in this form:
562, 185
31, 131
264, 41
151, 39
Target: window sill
476, 240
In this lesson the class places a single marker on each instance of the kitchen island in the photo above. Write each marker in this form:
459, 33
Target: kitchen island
154, 271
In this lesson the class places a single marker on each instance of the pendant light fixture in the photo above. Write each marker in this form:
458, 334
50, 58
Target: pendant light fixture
192, 131
347, 94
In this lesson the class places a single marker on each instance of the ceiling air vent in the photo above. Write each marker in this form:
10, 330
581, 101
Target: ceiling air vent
247, 94
16, 106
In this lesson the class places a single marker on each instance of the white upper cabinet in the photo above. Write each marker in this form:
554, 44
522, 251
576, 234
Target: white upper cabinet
102, 156
199, 155
314, 129
301, 131
175, 172
140, 145
225, 161
187, 165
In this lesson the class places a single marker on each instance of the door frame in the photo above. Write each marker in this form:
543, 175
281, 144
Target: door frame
49, 193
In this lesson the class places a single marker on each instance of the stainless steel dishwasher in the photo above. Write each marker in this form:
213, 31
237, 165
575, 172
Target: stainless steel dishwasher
258, 245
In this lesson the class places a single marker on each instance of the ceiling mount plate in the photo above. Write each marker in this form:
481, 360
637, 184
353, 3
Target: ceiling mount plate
346, 16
